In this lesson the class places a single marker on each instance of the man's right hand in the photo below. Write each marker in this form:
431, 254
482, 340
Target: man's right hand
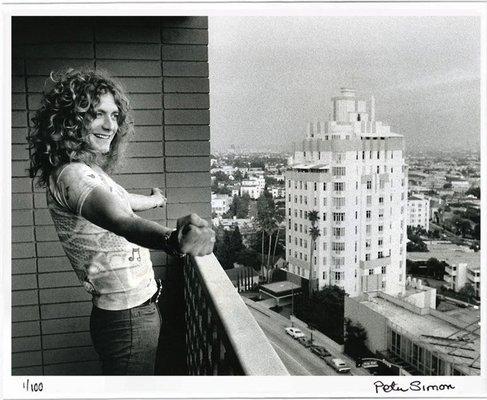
195, 236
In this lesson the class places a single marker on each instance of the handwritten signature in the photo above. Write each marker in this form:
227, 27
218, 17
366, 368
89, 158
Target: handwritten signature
414, 386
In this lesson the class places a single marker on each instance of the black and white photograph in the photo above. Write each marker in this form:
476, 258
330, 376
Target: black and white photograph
273, 193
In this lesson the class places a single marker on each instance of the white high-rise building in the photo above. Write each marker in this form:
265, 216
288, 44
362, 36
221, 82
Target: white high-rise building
419, 212
350, 170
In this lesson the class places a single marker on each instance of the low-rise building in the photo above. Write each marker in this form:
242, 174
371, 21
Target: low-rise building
252, 187
463, 264
426, 340
457, 276
419, 212
220, 203
460, 186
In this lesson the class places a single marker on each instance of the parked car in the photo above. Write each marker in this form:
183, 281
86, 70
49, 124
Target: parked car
338, 364
320, 351
305, 341
295, 333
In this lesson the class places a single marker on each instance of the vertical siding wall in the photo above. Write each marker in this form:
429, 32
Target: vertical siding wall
163, 64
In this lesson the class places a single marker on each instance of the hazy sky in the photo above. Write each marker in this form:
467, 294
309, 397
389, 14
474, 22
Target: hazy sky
270, 75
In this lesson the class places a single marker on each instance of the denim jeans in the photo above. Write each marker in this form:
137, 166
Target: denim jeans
126, 340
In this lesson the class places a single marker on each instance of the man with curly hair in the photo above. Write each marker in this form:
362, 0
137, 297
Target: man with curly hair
79, 134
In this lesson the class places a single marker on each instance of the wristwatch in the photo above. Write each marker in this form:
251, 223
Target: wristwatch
172, 244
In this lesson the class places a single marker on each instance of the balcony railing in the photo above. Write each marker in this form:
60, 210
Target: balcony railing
222, 337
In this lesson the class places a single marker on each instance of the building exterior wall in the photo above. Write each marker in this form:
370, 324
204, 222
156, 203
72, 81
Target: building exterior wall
353, 173
374, 323
163, 64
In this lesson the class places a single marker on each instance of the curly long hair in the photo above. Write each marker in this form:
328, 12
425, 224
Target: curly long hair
60, 133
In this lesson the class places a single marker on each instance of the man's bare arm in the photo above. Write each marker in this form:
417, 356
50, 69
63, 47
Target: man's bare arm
103, 208
140, 202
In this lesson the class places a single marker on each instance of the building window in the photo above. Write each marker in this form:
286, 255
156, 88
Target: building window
295, 226
324, 216
324, 186
383, 270
379, 242
381, 228
324, 260
371, 271
369, 200
324, 231
316, 186
380, 254
368, 243
289, 197
339, 201
369, 184
378, 169
339, 231
301, 185
289, 252
324, 274
324, 201
378, 155
301, 242
338, 171
339, 276
338, 246
305, 185
339, 186
368, 214
367, 257
383, 284
367, 229
338, 261
381, 200
338, 217
324, 246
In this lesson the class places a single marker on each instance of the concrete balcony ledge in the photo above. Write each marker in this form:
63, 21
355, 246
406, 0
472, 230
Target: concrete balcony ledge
378, 262
223, 336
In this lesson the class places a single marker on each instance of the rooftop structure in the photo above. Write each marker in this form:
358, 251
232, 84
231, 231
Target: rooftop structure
429, 341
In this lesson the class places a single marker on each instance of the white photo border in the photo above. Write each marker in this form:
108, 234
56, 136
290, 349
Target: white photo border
224, 386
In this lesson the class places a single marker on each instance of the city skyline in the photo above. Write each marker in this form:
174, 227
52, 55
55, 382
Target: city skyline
272, 75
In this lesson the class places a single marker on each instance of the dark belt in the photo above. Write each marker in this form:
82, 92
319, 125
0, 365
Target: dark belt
155, 297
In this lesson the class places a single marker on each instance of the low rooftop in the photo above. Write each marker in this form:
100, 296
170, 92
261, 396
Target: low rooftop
460, 346
451, 253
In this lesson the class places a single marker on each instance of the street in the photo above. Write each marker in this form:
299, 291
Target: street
298, 359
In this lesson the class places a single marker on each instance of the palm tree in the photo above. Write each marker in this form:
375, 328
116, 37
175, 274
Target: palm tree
314, 232
266, 218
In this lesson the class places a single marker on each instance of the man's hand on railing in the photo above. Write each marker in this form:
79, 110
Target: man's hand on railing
195, 236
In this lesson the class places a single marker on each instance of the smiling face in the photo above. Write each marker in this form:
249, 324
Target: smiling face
104, 126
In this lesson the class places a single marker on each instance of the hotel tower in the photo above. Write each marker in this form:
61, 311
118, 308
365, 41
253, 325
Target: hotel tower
350, 170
